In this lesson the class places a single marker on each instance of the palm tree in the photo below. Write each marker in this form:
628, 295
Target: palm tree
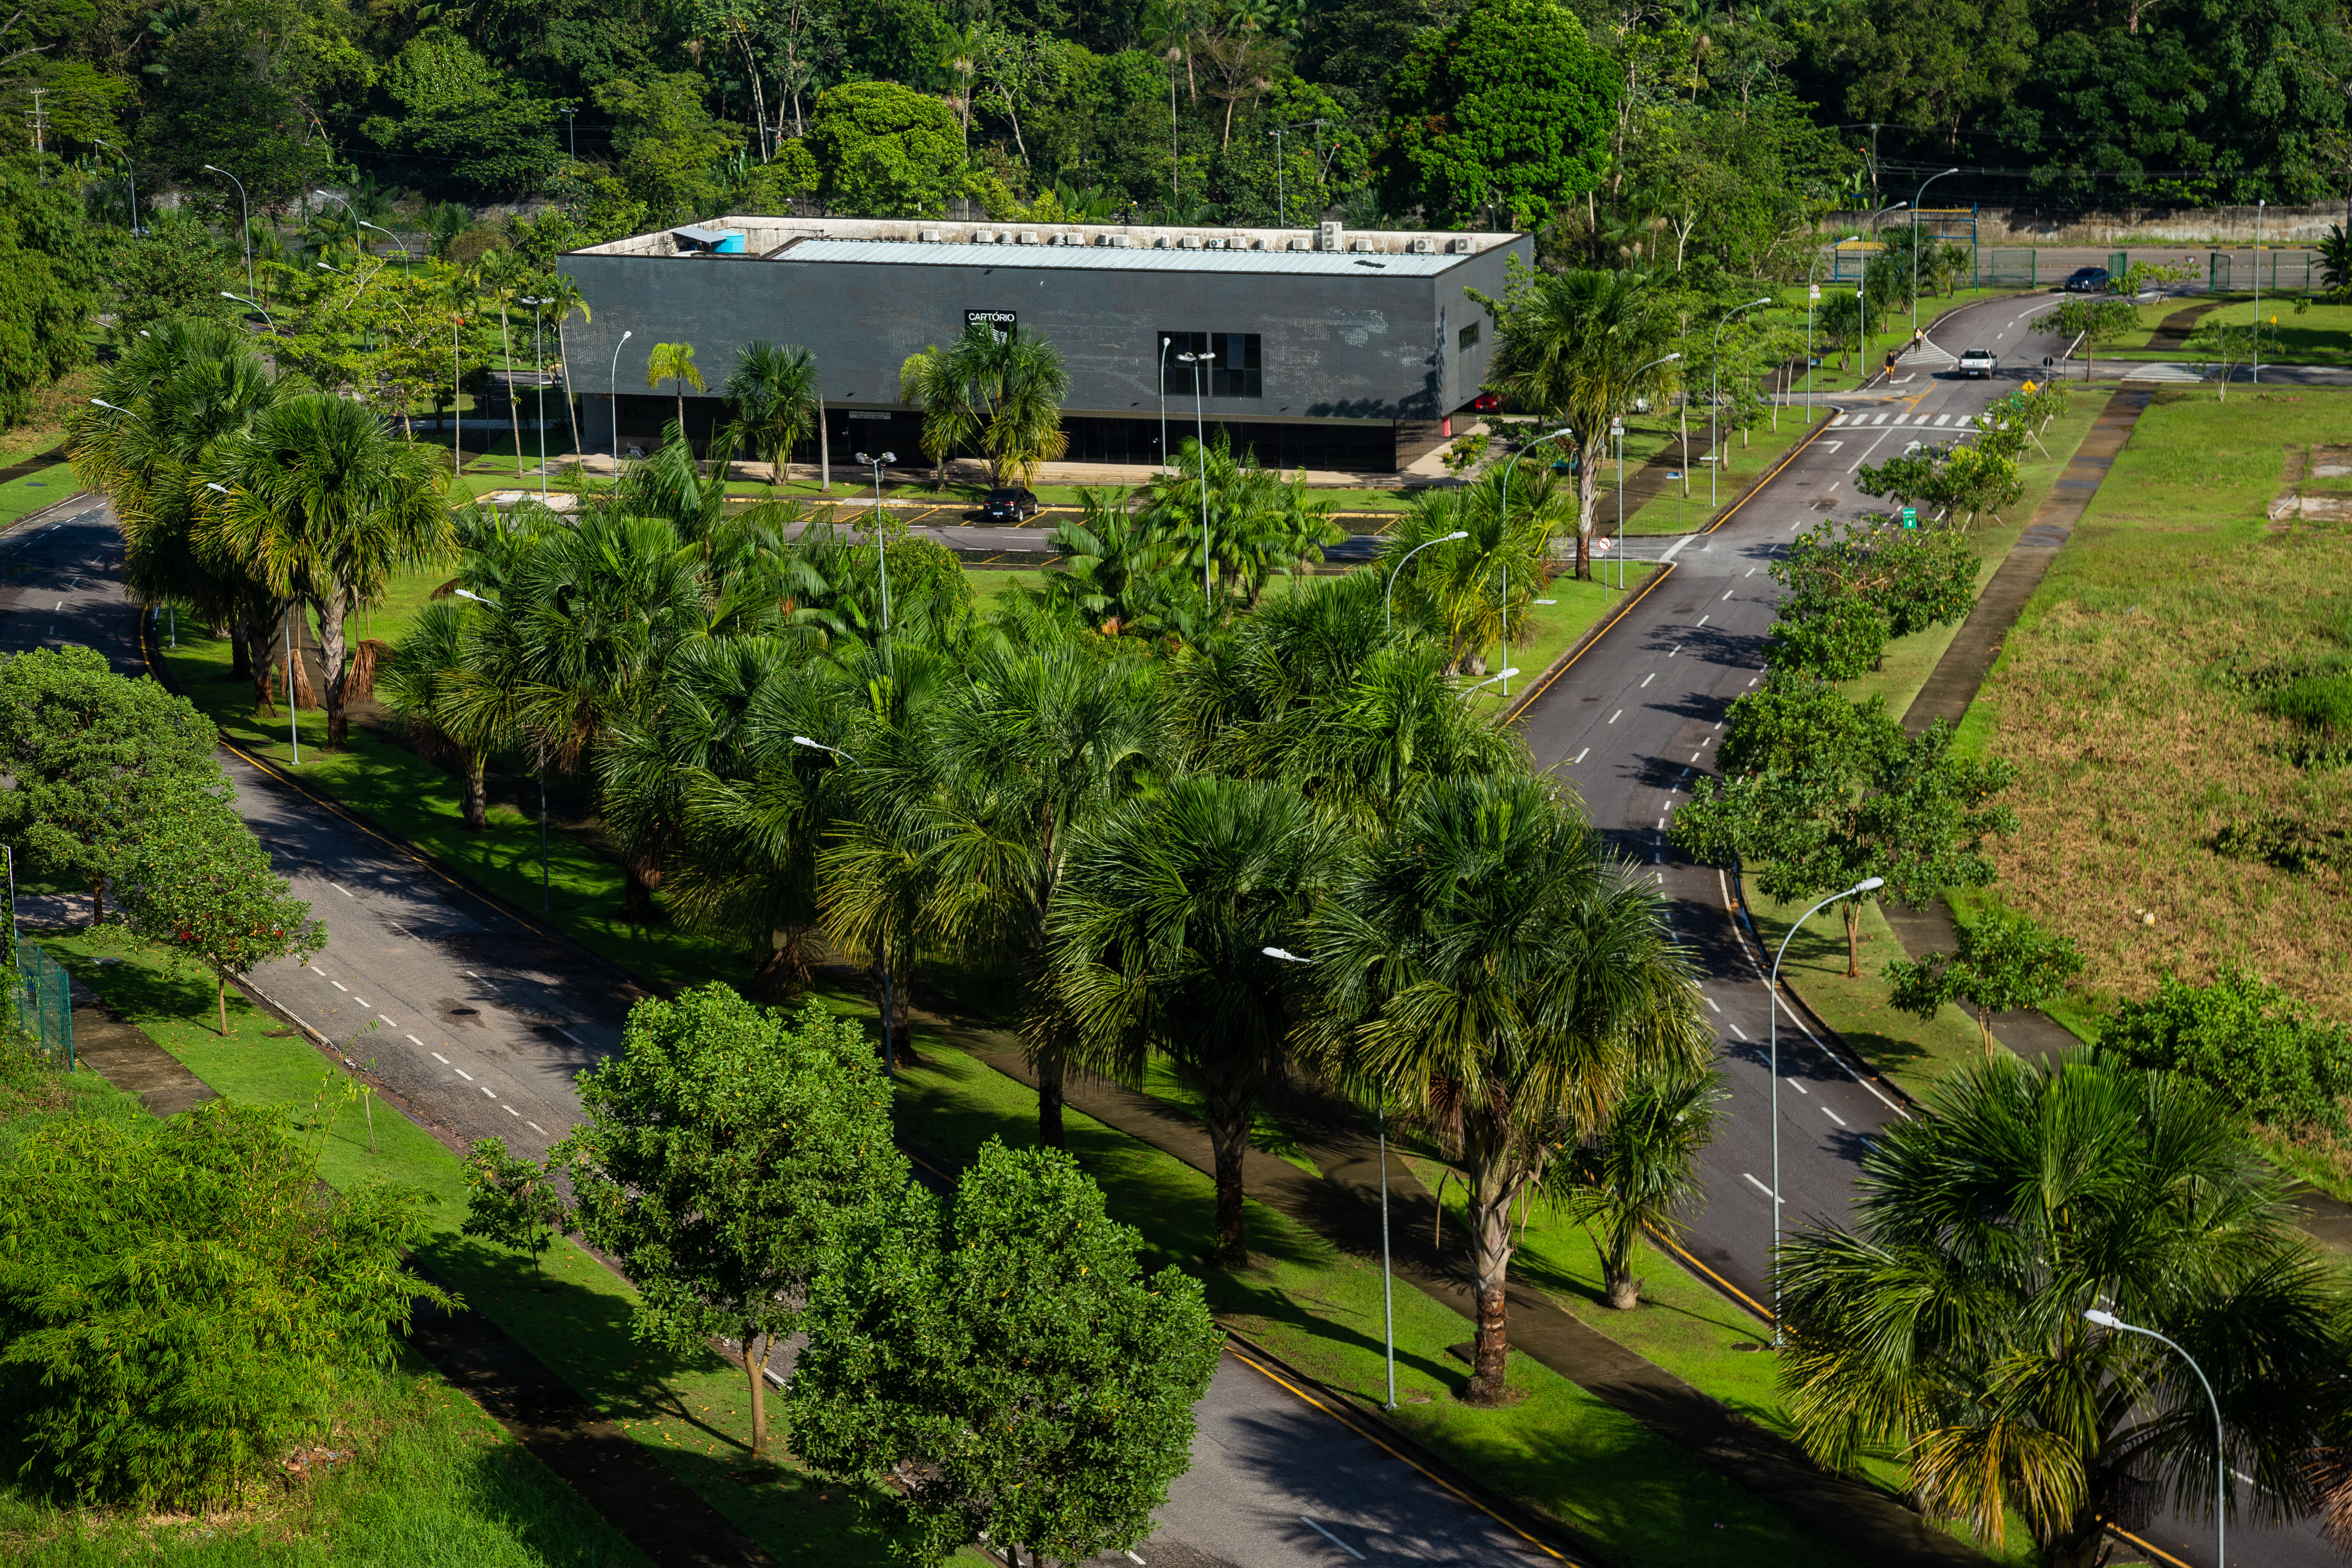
674, 363
323, 505
433, 679
1579, 346
773, 390
1474, 592
1491, 974
1257, 528
505, 276
1115, 565
1636, 1172
1159, 945
561, 291
1002, 392
1949, 1324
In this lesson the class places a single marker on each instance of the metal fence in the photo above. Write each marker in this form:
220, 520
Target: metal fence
1995, 268
45, 1004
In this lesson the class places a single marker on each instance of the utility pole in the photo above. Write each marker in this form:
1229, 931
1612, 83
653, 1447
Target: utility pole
39, 117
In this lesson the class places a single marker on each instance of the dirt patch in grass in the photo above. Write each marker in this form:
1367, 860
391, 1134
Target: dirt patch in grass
2139, 696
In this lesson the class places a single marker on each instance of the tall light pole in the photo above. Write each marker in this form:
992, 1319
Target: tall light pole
1617, 426
1773, 1030
395, 239
245, 218
500, 610
293, 713
1812, 291
538, 358
1165, 343
1862, 294
129, 175
881, 541
1281, 206
2255, 374
1915, 246
1388, 595
118, 408
615, 395
1505, 532
2221, 1453
1199, 364
357, 243
256, 305
881, 945
1715, 396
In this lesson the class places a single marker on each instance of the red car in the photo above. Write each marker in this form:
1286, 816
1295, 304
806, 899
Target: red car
1486, 403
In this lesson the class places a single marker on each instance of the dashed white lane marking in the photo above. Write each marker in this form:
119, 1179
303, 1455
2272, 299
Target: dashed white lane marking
1704, 619
390, 1025
1800, 1089
341, 987
1726, 593
340, 889
1675, 649
436, 1056
1331, 1538
1758, 1186
1738, 1031
1834, 1116
570, 1036
1580, 756
1619, 714
1131, 1557
1695, 756
364, 1001
487, 1089
1710, 1001
461, 1072
1662, 822
415, 1041
535, 1127
316, 969
510, 1109
1753, 570
1647, 678
1751, 680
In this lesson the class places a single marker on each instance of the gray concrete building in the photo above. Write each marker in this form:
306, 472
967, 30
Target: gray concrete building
1333, 349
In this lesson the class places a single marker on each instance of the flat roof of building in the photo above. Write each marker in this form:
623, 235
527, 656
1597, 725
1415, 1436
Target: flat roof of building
1328, 250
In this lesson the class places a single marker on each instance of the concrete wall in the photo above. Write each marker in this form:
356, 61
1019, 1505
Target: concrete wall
1351, 347
2146, 226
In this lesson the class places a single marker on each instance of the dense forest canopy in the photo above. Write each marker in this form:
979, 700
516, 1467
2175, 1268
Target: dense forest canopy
1633, 128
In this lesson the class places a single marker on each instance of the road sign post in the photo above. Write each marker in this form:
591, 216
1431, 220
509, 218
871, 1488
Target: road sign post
1910, 517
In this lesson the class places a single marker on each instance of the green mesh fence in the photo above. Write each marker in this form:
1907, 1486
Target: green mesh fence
45, 1004
1995, 268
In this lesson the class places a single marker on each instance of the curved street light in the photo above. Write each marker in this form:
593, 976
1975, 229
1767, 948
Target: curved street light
615, 395
1505, 504
1715, 396
117, 408
1617, 426
245, 217
1772, 1032
1810, 304
1915, 246
2220, 1453
881, 541
256, 305
1862, 297
1388, 595
357, 243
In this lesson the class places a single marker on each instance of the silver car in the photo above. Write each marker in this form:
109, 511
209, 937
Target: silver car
1978, 361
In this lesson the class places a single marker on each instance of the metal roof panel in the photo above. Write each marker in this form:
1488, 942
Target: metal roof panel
1120, 258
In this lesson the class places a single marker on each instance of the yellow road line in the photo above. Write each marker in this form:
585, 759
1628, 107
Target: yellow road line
1527, 699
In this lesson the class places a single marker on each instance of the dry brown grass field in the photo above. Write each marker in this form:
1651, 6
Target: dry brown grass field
2171, 820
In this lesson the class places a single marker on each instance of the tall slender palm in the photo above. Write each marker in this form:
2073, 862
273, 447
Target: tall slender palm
1948, 1324
674, 363
505, 276
1490, 973
1579, 346
561, 291
1159, 946
1000, 392
773, 392
323, 505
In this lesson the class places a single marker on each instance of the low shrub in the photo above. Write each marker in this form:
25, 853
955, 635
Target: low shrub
2246, 1038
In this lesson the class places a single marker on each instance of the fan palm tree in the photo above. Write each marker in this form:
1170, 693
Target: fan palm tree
323, 505
1115, 564
435, 679
1492, 975
1000, 392
561, 293
674, 363
1474, 591
1637, 1170
774, 391
1256, 526
1159, 946
505, 276
1948, 1322
1577, 346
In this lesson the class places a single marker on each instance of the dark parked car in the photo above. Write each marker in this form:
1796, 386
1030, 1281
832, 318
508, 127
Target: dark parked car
1014, 505
2087, 280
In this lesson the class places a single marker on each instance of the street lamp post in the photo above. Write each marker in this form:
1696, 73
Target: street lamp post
395, 239
881, 541
129, 174
2255, 373
1165, 343
357, 243
1505, 504
1772, 1031
1809, 286
500, 610
1715, 393
881, 945
615, 395
1915, 246
538, 359
1617, 427
1388, 597
2221, 1453
1199, 364
245, 219
118, 408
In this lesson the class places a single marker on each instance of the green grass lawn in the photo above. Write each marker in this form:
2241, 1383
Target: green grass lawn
2319, 334
694, 1409
430, 1478
43, 487
1554, 628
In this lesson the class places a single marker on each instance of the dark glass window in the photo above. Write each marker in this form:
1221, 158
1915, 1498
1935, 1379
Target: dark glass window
1468, 337
1235, 372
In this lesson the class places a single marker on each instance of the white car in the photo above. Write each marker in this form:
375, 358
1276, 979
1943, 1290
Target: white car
1980, 362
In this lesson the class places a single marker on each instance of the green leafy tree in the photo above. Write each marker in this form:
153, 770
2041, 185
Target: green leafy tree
722, 1151
1493, 976
2098, 319
2245, 1038
885, 151
1159, 947
1948, 1324
1506, 107
479, 128
199, 884
1834, 639
183, 1302
1001, 393
513, 1203
1920, 577
667, 144
1633, 1176
178, 269
2226, 345
1474, 592
1258, 527
1840, 795
1932, 69
52, 279
2004, 961
323, 505
94, 758
1006, 1361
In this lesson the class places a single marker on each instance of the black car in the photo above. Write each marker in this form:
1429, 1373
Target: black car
2087, 280
1013, 505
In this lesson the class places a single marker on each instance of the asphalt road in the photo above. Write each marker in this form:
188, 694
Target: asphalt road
476, 1024
1634, 723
